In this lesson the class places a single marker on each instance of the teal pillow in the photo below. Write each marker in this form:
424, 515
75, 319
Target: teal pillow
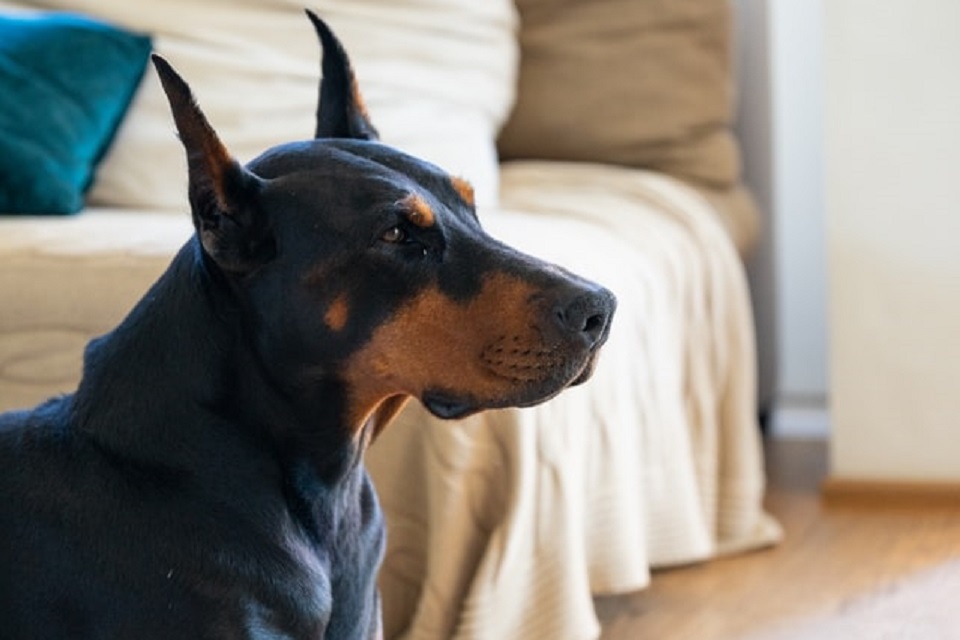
65, 83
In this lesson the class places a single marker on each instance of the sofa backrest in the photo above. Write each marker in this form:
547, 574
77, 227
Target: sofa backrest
642, 83
438, 77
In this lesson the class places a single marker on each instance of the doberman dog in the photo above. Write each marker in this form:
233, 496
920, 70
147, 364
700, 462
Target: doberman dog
205, 480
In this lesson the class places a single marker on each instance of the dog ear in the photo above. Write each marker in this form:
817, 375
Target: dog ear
222, 193
341, 112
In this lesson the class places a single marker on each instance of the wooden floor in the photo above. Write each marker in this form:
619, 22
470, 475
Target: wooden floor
831, 555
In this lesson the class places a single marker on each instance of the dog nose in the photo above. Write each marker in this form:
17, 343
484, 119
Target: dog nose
588, 314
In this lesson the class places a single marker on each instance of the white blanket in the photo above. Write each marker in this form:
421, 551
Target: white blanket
503, 525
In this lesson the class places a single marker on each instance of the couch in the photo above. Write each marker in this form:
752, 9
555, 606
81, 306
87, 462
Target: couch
597, 135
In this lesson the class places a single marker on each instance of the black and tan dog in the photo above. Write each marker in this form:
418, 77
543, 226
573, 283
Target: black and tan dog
205, 480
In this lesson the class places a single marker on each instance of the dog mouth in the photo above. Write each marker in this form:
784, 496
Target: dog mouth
588, 368
448, 406
451, 405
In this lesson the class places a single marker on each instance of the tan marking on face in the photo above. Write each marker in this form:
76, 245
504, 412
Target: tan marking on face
418, 211
381, 415
337, 313
434, 341
385, 412
464, 188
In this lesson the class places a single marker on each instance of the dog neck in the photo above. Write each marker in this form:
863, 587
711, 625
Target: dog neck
178, 376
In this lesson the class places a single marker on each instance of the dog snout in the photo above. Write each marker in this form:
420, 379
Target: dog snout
586, 313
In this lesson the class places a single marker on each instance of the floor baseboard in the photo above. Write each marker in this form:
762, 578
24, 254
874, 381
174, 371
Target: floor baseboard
889, 493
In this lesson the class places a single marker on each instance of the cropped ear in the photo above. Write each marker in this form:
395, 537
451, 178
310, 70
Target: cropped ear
223, 195
341, 112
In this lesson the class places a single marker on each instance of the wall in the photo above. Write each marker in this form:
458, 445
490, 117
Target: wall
754, 131
796, 28
893, 220
780, 124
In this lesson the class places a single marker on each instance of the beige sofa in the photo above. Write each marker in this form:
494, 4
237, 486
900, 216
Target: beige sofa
597, 135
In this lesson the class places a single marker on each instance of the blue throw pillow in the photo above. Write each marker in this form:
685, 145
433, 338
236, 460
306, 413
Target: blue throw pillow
65, 83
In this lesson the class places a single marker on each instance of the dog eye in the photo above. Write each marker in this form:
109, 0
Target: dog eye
394, 235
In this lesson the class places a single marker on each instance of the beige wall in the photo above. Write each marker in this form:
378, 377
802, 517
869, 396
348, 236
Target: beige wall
892, 121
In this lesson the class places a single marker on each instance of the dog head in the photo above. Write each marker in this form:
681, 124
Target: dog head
368, 269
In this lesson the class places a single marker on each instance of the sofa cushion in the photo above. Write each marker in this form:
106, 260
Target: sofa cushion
65, 84
438, 78
638, 83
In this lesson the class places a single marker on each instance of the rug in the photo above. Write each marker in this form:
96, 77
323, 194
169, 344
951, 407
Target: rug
923, 606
